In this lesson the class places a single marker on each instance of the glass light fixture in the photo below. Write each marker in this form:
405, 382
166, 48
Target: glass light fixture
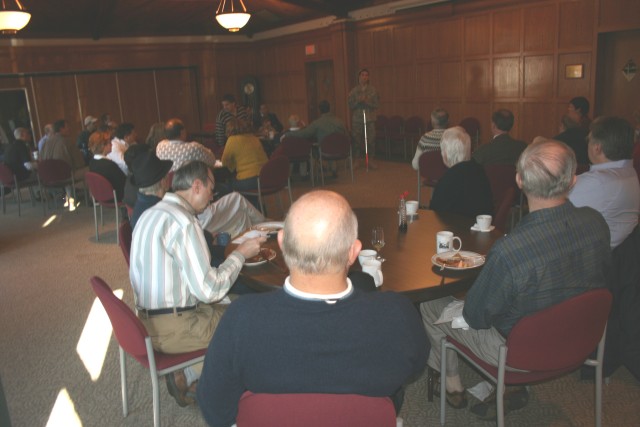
232, 15
13, 16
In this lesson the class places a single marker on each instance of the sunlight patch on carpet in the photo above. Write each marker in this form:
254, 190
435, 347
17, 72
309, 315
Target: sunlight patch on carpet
64, 412
94, 340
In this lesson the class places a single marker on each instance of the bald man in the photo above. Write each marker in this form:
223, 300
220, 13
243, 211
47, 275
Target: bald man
318, 334
556, 252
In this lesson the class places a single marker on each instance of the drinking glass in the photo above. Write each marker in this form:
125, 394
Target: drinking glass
377, 240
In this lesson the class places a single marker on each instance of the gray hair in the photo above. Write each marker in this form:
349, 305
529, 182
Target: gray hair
439, 118
546, 169
184, 177
18, 132
310, 251
153, 189
455, 146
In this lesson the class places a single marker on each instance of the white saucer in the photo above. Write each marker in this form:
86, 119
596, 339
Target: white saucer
475, 228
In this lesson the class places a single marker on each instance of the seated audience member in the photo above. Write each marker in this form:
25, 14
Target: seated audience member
295, 124
611, 185
176, 149
555, 252
263, 114
156, 134
430, 141
48, 131
311, 331
575, 136
59, 146
17, 155
171, 273
503, 149
268, 136
578, 110
125, 136
131, 190
90, 126
244, 155
323, 126
229, 111
464, 188
100, 146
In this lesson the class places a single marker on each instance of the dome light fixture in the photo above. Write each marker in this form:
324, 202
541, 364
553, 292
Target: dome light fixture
13, 16
232, 15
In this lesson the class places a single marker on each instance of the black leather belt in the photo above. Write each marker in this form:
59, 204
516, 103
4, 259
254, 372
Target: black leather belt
169, 310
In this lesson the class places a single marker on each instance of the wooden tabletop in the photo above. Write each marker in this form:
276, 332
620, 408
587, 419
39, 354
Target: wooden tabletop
408, 268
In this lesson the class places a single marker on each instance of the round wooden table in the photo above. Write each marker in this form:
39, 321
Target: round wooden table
408, 268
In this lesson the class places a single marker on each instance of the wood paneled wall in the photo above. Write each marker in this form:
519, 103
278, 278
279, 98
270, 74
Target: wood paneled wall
468, 57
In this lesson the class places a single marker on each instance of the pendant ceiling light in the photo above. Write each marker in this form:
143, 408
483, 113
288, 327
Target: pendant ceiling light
13, 16
232, 15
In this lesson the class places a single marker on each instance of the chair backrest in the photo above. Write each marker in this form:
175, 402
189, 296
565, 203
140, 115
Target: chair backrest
7, 177
395, 125
54, 171
431, 167
504, 208
471, 125
295, 148
274, 174
99, 187
414, 125
336, 145
125, 235
502, 178
561, 336
128, 329
314, 410
381, 123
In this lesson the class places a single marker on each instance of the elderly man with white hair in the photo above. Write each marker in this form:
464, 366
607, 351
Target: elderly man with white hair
464, 188
555, 252
318, 334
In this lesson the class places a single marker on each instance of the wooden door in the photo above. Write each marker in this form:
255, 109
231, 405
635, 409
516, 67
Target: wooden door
320, 86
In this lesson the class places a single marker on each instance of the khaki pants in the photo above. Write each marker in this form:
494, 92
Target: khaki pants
186, 331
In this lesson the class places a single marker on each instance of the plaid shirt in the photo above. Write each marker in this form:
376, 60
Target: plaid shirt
552, 255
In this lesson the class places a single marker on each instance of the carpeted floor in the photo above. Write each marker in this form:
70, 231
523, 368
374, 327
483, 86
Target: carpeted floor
46, 300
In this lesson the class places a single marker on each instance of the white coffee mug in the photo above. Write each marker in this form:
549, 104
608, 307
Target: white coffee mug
483, 222
412, 207
366, 255
444, 242
373, 267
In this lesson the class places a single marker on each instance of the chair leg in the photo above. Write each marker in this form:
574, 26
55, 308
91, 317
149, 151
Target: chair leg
4, 209
123, 382
18, 198
502, 363
321, 171
95, 218
443, 380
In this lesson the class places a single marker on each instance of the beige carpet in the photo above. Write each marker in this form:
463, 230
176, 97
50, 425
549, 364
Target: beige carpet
46, 299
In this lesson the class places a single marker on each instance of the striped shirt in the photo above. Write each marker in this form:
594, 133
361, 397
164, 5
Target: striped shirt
430, 141
170, 259
221, 123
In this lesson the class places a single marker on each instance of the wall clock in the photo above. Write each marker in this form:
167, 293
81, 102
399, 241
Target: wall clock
250, 93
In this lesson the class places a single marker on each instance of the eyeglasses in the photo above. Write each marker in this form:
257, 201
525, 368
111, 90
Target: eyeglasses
213, 184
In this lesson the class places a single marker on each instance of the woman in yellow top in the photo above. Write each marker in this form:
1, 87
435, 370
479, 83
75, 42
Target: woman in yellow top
244, 154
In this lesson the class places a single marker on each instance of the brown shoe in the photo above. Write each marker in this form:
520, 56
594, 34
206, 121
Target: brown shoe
177, 386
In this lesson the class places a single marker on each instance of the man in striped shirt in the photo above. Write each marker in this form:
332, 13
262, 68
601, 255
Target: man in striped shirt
228, 112
175, 287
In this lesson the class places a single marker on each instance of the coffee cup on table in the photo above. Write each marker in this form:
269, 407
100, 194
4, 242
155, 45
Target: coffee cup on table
366, 255
445, 242
483, 222
412, 207
373, 267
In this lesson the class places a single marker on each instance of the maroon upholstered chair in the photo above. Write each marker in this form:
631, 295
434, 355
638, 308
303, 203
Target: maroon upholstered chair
395, 135
472, 126
547, 344
504, 190
636, 159
274, 177
125, 235
297, 150
314, 410
9, 180
414, 127
134, 340
56, 174
336, 146
431, 167
102, 194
